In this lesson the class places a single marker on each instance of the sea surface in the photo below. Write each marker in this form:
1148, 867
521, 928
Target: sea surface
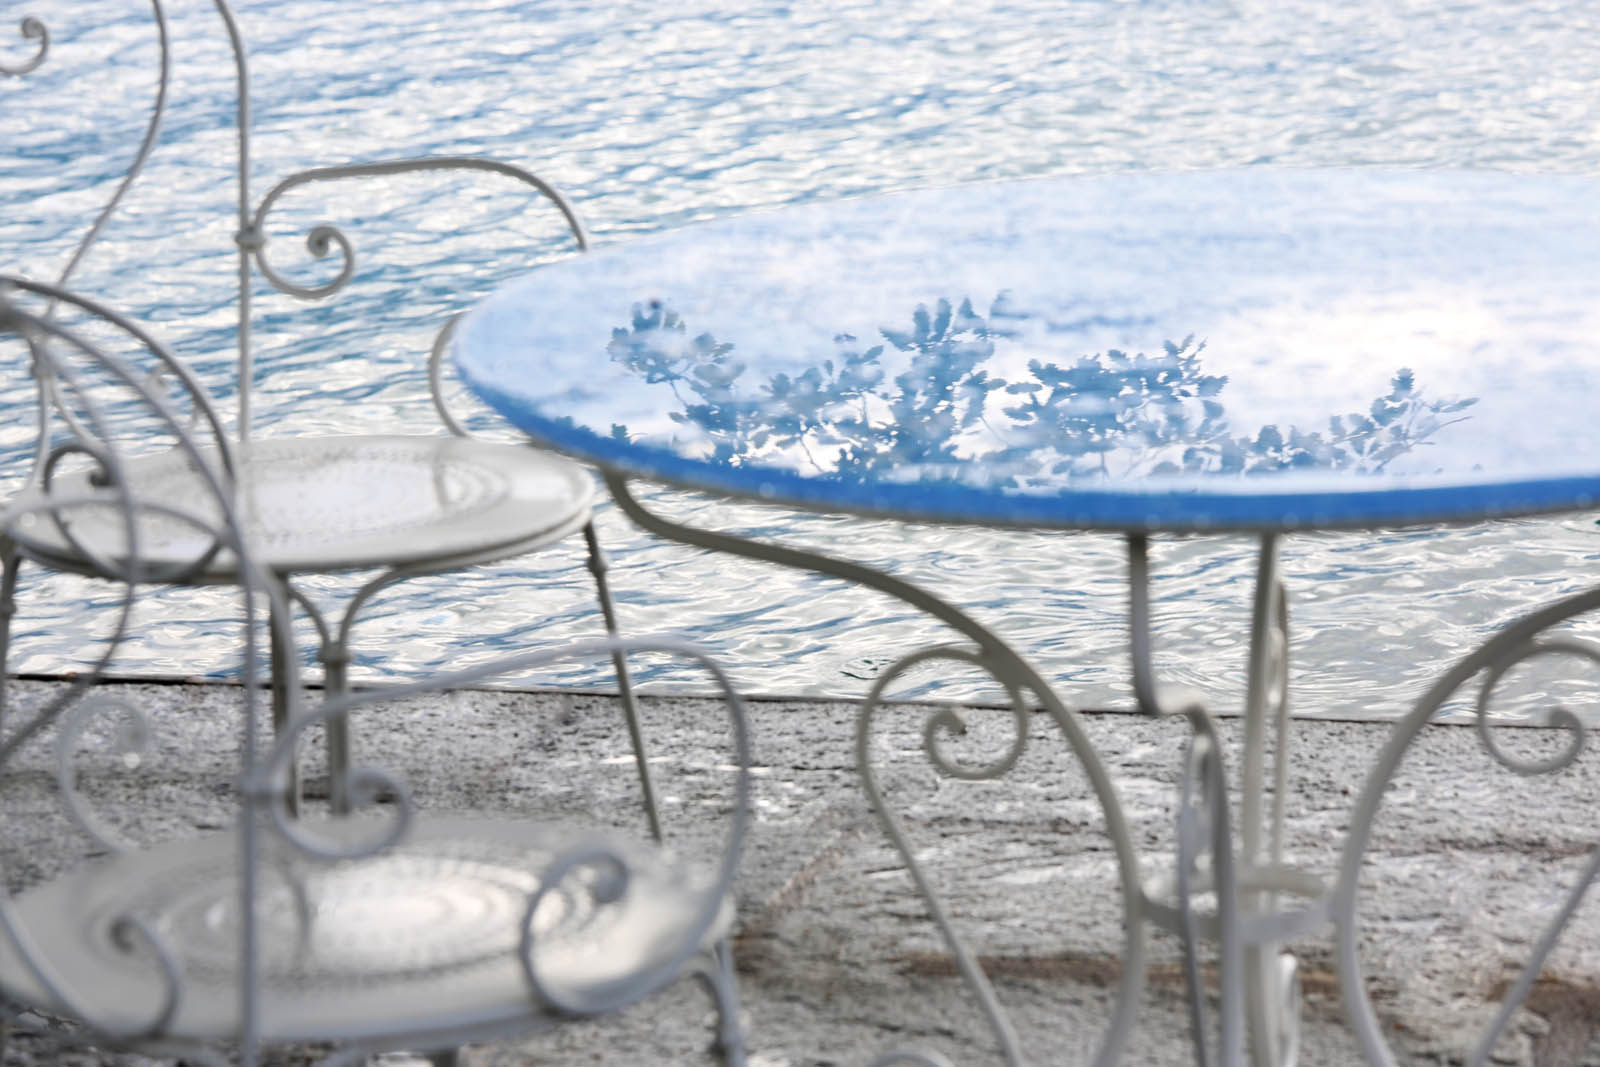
652, 116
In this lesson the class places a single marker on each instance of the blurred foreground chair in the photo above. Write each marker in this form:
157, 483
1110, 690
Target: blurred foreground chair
398, 926
395, 506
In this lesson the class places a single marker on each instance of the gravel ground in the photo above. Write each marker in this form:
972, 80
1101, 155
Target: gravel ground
837, 958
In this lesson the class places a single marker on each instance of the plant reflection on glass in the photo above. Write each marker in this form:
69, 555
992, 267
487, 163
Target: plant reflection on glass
946, 417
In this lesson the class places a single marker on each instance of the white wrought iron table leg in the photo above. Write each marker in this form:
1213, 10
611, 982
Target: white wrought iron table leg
1512, 645
1273, 1022
1252, 918
1018, 676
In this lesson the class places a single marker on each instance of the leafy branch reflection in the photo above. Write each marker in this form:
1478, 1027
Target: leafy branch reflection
1105, 416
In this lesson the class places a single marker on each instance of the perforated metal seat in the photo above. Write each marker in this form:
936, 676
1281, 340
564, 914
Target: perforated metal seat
417, 941
320, 504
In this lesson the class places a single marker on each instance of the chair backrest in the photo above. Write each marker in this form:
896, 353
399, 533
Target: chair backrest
252, 240
107, 390
251, 233
110, 392
34, 29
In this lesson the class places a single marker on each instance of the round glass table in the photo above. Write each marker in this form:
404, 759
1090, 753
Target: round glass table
1258, 351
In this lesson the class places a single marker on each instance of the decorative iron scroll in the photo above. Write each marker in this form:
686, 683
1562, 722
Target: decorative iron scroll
993, 656
132, 739
84, 397
272, 784
324, 237
1559, 717
79, 373
1515, 644
32, 29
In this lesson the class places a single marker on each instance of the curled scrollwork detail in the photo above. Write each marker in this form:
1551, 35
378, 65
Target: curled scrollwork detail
126, 932
319, 242
940, 722
91, 407
133, 740
1003, 664
1515, 644
33, 30
608, 887
1559, 717
949, 721
324, 237
363, 785
162, 388
100, 478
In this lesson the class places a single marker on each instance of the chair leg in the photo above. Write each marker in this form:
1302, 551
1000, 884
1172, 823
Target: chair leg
718, 974
282, 671
335, 656
12, 563
335, 667
598, 567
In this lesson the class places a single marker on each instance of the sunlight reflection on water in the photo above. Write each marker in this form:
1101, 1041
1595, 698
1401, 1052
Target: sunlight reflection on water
651, 118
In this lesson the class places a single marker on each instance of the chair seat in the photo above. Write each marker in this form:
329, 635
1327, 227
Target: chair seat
340, 503
421, 938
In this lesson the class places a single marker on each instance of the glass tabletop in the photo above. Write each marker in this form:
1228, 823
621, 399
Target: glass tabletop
1254, 349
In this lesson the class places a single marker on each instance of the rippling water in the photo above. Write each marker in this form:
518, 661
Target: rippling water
652, 116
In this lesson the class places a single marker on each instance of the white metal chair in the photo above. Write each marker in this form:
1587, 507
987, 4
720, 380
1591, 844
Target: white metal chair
396, 506
393, 927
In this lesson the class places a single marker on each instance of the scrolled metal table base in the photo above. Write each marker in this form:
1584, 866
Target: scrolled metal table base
1245, 939
1517, 643
992, 655
1231, 884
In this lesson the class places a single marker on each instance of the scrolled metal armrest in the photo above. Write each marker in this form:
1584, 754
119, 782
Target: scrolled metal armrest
269, 782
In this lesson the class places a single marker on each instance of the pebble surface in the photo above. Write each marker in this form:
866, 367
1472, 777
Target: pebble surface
837, 959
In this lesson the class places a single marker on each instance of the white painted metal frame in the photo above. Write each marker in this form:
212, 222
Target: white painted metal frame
1231, 884
111, 935
252, 241
421, 554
